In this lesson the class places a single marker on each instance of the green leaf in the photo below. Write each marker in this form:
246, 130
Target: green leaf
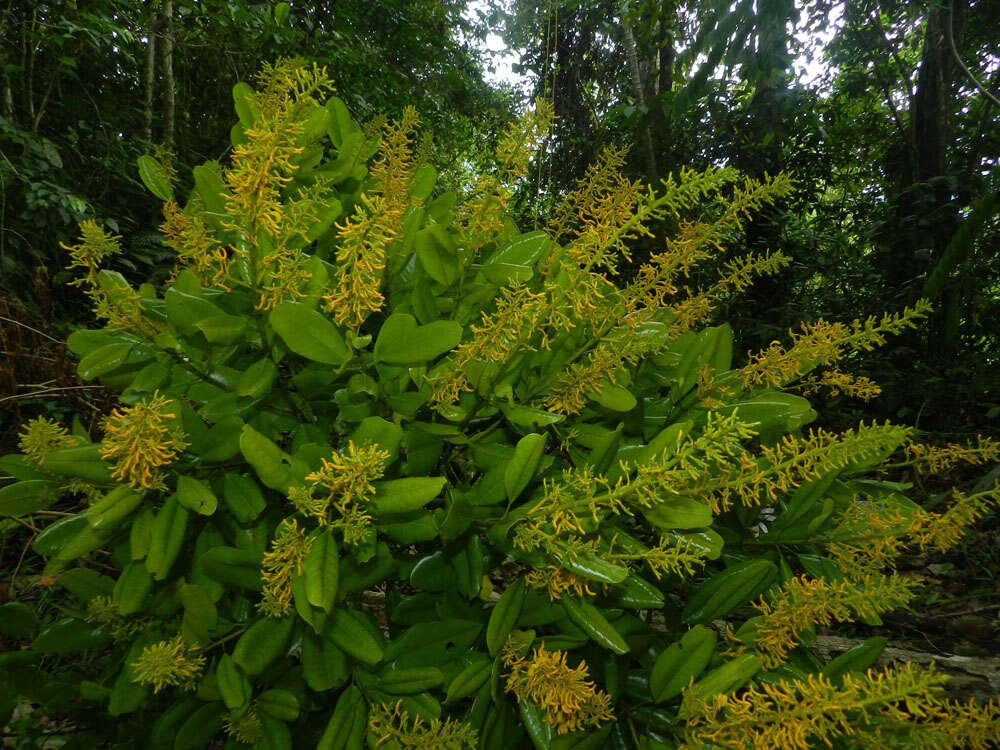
23, 498
281, 704
321, 570
155, 177
522, 467
727, 677
101, 361
243, 497
469, 680
857, 659
684, 659
410, 681
262, 643
504, 616
200, 613
594, 624
272, 464
69, 635
239, 567
402, 341
352, 637
169, 528
81, 462
196, 495
308, 333
257, 379
614, 397
324, 666
85, 584
377, 431
728, 590
234, 687
679, 512
222, 329
211, 189
281, 11
405, 495
525, 416
132, 588
346, 727
199, 728
245, 102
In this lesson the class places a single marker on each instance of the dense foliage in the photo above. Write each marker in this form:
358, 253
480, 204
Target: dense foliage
386, 470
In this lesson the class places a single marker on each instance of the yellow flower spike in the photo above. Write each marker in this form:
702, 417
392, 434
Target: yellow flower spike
245, 728
344, 485
944, 530
40, 437
877, 709
568, 699
168, 663
391, 726
520, 314
365, 236
802, 603
824, 343
934, 459
196, 246
555, 580
520, 140
288, 551
140, 439
94, 248
836, 382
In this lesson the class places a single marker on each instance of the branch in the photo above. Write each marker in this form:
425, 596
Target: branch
958, 58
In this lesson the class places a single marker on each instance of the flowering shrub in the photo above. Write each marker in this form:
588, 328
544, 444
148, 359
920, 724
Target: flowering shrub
387, 470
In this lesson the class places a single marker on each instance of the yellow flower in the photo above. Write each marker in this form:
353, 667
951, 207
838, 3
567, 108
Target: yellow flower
196, 246
288, 550
555, 580
245, 728
393, 727
40, 437
899, 706
140, 439
344, 483
802, 603
568, 699
166, 663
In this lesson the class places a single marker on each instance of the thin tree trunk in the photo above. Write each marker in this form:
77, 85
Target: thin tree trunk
149, 80
666, 53
168, 75
640, 97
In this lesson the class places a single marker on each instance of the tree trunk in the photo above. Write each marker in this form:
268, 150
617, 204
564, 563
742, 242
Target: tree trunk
149, 80
640, 96
168, 75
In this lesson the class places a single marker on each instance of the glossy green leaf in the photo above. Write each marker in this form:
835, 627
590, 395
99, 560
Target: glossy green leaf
677, 512
524, 464
346, 727
857, 659
155, 177
239, 567
257, 379
589, 619
83, 462
262, 643
405, 495
683, 660
321, 570
350, 636
402, 341
308, 333
234, 686
728, 590
243, 497
195, 495
504, 616
166, 537
23, 498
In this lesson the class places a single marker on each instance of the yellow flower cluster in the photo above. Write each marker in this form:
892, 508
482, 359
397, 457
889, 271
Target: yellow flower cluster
112, 298
836, 382
166, 663
365, 236
823, 343
40, 437
196, 246
245, 728
936, 459
802, 603
556, 580
288, 551
568, 699
391, 726
140, 439
899, 706
344, 483
103, 611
